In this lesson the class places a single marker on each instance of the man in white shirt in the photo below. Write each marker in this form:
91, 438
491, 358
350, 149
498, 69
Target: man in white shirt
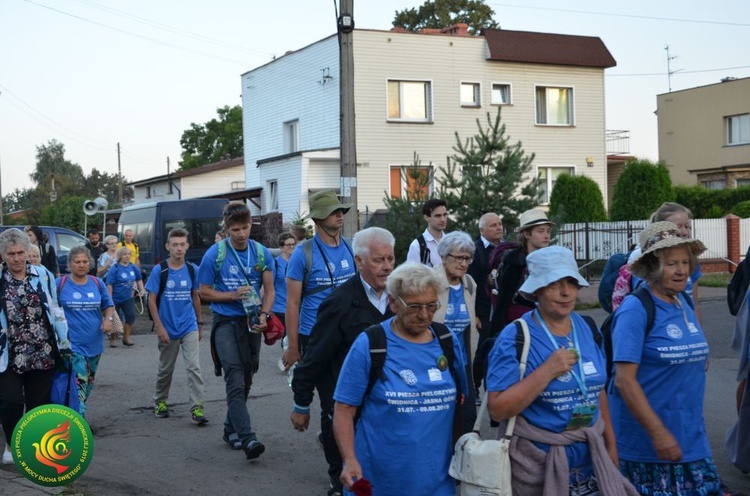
424, 248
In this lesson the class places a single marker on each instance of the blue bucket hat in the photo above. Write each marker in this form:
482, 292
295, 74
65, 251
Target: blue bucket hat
548, 265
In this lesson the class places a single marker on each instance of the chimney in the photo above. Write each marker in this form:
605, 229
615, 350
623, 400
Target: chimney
458, 29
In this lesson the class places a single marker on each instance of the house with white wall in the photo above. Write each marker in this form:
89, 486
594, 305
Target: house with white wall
413, 91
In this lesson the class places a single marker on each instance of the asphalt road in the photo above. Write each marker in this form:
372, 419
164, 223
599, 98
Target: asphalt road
137, 454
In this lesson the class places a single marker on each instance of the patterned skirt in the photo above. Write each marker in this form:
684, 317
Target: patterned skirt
697, 478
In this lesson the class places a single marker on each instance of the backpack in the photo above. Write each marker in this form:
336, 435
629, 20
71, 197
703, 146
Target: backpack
648, 303
738, 285
163, 276
307, 249
497, 264
609, 279
424, 252
260, 255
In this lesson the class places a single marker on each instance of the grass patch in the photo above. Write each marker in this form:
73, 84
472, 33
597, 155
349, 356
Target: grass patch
717, 280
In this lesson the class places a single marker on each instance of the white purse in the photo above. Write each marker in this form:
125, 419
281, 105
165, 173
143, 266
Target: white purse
483, 466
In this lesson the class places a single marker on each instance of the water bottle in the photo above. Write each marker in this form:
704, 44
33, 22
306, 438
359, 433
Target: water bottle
284, 347
290, 375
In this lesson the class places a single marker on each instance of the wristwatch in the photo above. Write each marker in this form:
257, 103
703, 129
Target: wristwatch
268, 315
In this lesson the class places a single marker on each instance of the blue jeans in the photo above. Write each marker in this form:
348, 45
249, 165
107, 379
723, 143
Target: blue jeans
239, 352
126, 311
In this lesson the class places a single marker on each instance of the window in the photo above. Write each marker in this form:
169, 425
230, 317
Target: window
410, 101
715, 184
500, 94
554, 106
738, 129
416, 182
291, 136
743, 182
148, 191
471, 95
273, 196
547, 178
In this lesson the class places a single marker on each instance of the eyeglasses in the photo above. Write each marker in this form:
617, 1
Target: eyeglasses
289, 245
466, 260
111, 243
415, 308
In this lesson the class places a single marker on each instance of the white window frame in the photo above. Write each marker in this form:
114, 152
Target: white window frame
476, 88
429, 114
714, 184
492, 93
549, 186
273, 195
742, 121
291, 136
571, 105
430, 170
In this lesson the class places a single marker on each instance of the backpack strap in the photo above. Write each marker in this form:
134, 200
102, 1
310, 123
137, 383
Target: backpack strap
307, 249
598, 338
63, 280
378, 348
648, 303
163, 276
424, 252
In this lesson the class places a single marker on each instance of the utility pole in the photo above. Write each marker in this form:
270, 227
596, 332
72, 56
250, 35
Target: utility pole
348, 148
119, 177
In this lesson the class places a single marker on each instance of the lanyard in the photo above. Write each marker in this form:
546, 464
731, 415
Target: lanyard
325, 261
579, 378
237, 256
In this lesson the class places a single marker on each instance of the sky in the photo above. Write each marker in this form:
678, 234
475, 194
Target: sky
94, 73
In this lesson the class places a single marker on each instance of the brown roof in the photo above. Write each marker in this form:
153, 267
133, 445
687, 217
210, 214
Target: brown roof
547, 48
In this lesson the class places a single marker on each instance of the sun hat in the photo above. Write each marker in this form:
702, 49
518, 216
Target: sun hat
548, 265
324, 203
531, 218
658, 236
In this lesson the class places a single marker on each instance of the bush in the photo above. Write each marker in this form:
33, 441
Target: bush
742, 209
710, 203
577, 199
642, 187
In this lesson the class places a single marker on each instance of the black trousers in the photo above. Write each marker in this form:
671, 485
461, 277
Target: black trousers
30, 390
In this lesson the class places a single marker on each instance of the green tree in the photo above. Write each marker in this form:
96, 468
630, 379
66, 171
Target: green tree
438, 14
577, 199
487, 174
642, 187
18, 199
106, 185
65, 212
210, 142
404, 218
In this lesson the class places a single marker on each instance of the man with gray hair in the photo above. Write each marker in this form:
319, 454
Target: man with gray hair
350, 308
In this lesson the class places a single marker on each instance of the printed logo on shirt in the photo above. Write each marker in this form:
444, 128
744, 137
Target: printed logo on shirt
90, 295
170, 284
345, 264
77, 295
408, 377
234, 270
566, 377
589, 368
435, 375
462, 308
183, 284
124, 275
331, 266
449, 309
674, 332
693, 328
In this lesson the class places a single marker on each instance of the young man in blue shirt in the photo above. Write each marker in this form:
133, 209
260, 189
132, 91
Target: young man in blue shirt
177, 321
230, 276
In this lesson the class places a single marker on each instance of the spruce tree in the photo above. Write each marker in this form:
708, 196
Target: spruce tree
487, 174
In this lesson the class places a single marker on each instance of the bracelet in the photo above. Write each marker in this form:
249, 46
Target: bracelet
268, 315
200, 323
305, 410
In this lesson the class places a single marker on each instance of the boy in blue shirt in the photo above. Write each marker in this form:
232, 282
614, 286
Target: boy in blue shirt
177, 322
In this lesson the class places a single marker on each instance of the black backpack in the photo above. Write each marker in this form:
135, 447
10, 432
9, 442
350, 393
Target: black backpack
424, 252
738, 285
648, 303
163, 275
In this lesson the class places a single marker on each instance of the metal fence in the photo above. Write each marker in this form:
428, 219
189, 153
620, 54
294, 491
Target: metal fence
591, 241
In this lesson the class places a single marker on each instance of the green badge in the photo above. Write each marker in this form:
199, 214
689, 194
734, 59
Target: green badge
442, 363
257, 267
52, 445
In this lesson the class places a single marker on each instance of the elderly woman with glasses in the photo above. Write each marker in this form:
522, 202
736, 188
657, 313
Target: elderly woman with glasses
660, 373
457, 306
107, 258
403, 440
563, 441
33, 332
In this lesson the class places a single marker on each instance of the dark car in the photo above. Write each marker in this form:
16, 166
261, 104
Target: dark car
61, 239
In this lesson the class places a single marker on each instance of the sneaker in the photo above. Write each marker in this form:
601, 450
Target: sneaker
161, 410
254, 449
7, 457
198, 416
233, 440
335, 489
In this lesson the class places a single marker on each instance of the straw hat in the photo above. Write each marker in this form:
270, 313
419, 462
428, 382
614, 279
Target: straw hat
531, 218
658, 236
324, 203
548, 265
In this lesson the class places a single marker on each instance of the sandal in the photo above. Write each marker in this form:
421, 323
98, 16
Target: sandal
233, 440
127, 342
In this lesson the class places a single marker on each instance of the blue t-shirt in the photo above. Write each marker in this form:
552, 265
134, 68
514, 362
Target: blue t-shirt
330, 264
83, 305
553, 409
231, 274
403, 440
176, 302
279, 284
121, 278
672, 373
457, 316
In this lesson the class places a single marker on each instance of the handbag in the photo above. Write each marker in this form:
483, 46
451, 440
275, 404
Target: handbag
482, 467
64, 389
117, 328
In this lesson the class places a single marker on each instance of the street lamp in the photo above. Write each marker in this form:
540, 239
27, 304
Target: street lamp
53, 193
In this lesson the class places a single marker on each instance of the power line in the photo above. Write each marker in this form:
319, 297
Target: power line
681, 72
611, 14
147, 38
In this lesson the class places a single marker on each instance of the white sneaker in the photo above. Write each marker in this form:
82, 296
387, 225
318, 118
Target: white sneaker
7, 457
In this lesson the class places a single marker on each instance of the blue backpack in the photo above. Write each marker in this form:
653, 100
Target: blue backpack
609, 278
